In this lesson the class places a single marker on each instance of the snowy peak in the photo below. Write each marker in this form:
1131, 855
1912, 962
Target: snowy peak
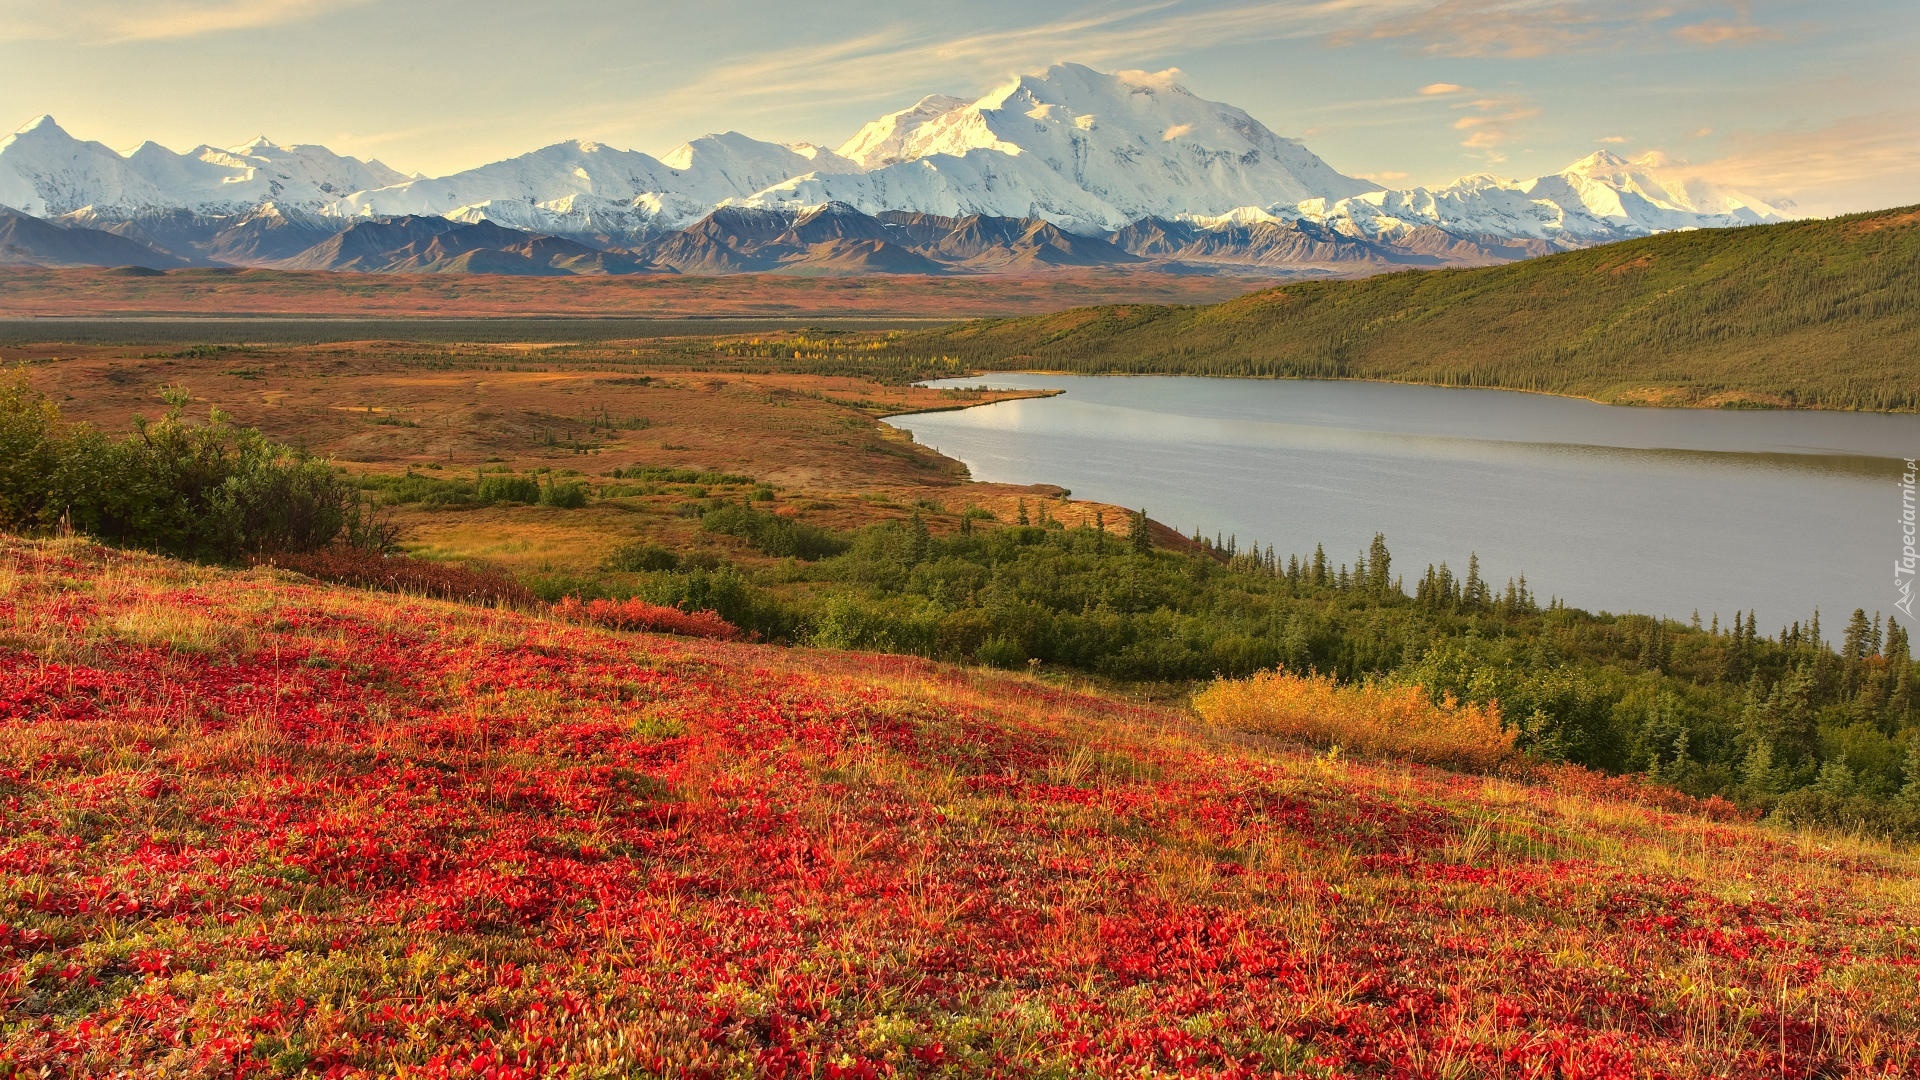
729, 165
1087, 150
1664, 185
1138, 142
883, 142
1598, 162
44, 171
1601, 197
47, 172
44, 121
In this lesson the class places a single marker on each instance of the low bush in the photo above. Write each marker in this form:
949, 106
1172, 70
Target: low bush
661, 474
639, 615
1374, 719
570, 495
507, 488
1597, 786
403, 574
772, 534
640, 557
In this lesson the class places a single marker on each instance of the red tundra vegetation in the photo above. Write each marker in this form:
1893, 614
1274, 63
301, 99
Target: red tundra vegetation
255, 826
637, 614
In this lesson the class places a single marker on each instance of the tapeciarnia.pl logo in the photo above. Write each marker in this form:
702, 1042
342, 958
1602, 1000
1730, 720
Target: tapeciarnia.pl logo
1903, 567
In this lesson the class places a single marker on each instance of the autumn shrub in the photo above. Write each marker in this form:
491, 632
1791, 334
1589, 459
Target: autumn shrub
1374, 719
1597, 786
637, 614
210, 490
403, 574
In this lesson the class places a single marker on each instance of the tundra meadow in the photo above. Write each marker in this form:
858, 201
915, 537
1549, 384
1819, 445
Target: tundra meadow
257, 826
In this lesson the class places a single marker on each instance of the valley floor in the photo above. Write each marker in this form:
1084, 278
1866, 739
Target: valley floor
256, 826
118, 293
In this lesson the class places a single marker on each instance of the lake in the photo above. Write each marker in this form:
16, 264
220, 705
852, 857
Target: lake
1659, 511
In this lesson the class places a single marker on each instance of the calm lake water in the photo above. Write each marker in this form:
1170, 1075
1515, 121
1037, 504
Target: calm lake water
1662, 511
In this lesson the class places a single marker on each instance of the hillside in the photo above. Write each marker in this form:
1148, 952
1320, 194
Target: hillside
255, 826
1806, 314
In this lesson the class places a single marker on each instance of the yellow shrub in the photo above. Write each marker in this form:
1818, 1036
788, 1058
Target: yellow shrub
1372, 719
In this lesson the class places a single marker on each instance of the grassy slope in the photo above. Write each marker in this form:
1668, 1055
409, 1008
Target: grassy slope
246, 819
1813, 313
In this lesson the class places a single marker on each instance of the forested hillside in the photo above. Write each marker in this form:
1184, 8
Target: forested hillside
1822, 314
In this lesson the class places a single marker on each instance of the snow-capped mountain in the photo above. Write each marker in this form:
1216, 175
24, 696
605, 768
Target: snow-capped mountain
587, 188
1089, 153
303, 177
1085, 150
884, 141
1598, 198
46, 172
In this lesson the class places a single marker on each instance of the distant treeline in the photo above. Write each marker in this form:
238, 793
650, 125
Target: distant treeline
1806, 314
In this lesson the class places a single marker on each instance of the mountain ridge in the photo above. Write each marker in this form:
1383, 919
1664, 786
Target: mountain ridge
1091, 154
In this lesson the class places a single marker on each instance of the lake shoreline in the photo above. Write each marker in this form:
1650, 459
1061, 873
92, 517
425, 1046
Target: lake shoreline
1702, 406
1798, 488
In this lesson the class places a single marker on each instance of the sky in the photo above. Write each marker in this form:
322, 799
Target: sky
1817, 103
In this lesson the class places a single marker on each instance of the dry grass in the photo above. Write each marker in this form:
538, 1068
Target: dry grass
158, 624
1375, 720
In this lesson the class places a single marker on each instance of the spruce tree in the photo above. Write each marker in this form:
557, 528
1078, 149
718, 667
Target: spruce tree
1138, 536
1379, 565
1910, 792
1858, 642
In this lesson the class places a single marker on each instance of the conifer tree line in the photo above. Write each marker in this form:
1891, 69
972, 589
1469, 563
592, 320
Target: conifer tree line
1785, 723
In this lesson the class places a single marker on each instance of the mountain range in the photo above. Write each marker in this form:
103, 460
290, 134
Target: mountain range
1066, 167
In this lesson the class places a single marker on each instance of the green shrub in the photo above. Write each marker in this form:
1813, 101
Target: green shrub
772, 534
640, 557
210, 491
568, 496
507, 488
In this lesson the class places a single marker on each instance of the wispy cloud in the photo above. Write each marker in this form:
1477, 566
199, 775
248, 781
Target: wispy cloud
1722, 32
1532, 28
896, 60
1509, 28
1442, 88
119, 21
1489, 124
1614, 140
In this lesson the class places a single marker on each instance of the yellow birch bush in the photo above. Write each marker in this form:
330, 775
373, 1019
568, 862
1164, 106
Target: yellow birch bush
1377, 720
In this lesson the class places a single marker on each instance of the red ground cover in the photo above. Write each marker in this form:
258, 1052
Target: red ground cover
636, 614
253, 828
